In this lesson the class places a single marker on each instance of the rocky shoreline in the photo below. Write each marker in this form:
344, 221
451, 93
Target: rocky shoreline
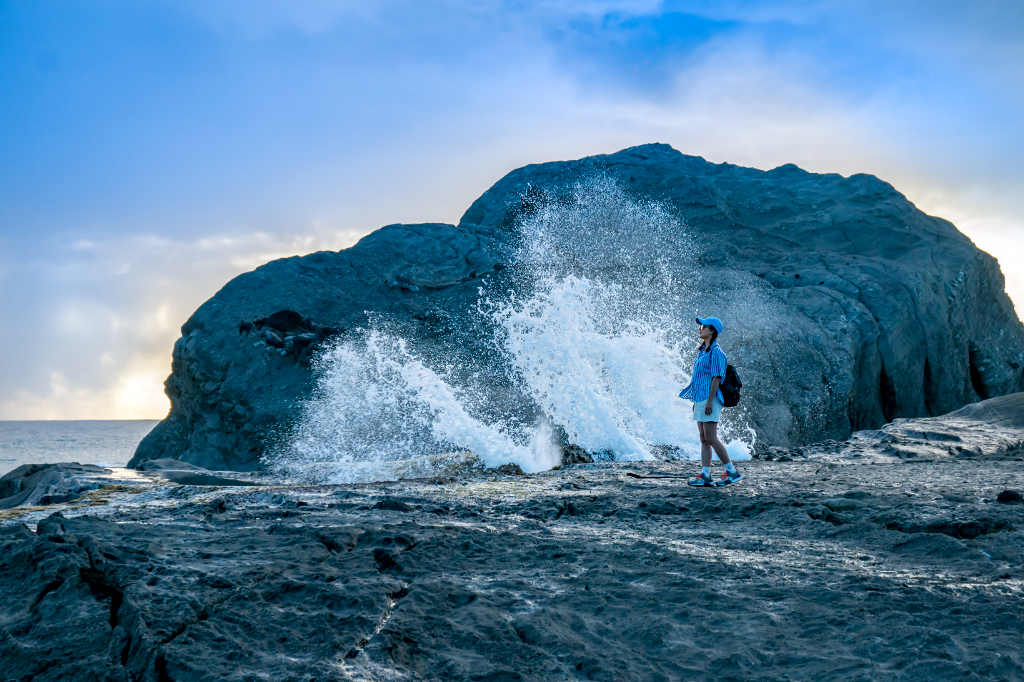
892, 556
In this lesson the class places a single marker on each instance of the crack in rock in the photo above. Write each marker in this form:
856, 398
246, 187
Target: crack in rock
389, 611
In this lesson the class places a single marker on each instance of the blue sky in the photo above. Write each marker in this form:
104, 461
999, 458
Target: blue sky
150, 150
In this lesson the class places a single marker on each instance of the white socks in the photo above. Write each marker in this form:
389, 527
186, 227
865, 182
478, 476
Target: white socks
731, 468
706, 471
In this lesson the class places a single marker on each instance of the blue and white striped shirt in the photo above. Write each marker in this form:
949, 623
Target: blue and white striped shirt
706, 367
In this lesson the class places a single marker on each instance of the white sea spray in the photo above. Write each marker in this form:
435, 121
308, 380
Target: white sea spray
600, 339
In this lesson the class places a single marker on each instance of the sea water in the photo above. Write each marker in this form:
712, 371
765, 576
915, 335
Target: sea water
597, 331
107, 443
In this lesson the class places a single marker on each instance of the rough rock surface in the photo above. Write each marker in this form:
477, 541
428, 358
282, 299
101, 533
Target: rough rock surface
890, 313
847, 561
43, 484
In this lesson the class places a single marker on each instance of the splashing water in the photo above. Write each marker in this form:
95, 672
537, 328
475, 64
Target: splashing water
594, 345
379, 411
607, 391
597, 345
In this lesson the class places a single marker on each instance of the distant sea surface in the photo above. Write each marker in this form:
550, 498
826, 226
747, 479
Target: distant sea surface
111, 443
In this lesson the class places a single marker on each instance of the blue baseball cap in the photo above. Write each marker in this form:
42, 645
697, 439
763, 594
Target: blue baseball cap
711, 322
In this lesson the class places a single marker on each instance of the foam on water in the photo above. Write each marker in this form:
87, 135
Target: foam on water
599, 340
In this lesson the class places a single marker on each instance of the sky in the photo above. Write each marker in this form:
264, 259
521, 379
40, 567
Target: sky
151, 150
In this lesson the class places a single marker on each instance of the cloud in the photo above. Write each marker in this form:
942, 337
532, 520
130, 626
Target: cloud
96, 321
176, 145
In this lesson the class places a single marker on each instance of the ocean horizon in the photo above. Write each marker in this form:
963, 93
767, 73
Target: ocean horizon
107, 442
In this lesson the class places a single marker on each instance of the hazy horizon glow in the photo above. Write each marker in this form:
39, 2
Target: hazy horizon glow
153, 150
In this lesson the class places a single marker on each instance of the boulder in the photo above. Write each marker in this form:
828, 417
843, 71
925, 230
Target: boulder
845, 306
45, 484
1010, 497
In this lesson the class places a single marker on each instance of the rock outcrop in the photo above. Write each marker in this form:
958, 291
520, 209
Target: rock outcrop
878, 311
45, 484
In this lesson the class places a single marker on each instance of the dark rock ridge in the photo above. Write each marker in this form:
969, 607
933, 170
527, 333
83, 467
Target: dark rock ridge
891, 313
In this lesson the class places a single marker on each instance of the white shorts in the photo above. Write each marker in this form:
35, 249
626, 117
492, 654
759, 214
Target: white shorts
716, 411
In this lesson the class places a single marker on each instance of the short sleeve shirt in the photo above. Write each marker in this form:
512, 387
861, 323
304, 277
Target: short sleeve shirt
706, 367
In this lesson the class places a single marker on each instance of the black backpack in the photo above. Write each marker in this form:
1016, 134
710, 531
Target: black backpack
730, 387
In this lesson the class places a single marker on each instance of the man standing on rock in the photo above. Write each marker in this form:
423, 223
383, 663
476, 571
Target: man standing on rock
708, 371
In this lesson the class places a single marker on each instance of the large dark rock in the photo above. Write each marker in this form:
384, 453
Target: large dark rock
878, 310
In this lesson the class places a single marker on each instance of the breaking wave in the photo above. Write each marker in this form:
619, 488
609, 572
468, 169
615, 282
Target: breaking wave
599, 340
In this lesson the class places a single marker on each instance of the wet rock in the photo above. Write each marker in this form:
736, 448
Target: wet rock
825, 514
168, 465
393, 505
184, 473
110, 614
552, 509
1010, 497
665, 508
195, 478
940, 545
992, 428
507, 470
574, 454
843, 504
964, 530
302, 341
272, 339
542, 510
762, 506
45, 484
570, 509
